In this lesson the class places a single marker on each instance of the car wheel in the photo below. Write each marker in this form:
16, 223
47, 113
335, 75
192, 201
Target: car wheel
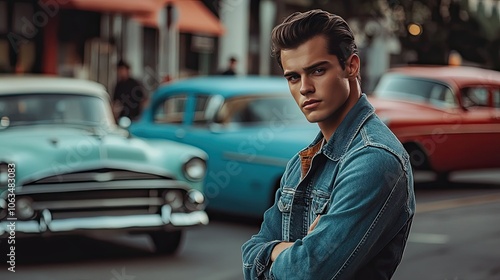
166, 243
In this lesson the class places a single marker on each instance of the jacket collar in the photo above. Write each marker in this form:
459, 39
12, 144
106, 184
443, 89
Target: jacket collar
347, 130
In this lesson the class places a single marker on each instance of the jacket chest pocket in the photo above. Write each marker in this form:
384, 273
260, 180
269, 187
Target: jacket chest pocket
285, 207
285, 201
320, 202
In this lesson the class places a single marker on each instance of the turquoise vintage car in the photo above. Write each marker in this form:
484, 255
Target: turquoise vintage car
66, 167
249, 126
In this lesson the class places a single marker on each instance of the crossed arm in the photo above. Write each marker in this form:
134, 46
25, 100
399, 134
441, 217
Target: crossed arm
280, 247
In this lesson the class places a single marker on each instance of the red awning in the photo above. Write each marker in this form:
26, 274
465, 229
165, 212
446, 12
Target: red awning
113, 6
192, 17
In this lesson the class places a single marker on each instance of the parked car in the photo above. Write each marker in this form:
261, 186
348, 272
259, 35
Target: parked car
66, 167
249, 126
447, 117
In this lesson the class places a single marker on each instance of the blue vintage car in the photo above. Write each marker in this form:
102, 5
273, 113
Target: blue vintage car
67, 168
249, 127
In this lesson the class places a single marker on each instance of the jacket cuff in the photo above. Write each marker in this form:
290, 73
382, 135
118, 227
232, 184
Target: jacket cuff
263, 259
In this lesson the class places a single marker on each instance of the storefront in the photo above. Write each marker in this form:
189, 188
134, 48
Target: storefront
85, 38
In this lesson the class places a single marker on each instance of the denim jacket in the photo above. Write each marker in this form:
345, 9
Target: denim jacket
361, 184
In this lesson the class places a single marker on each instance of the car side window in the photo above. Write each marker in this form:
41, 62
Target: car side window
496, 98
256, 109
171, 110
420, 90
475, 96
442, 96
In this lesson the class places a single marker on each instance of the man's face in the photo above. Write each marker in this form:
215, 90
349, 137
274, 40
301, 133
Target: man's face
122, 73
317, 82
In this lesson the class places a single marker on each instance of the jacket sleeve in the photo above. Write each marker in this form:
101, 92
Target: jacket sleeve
257, 251
370, 204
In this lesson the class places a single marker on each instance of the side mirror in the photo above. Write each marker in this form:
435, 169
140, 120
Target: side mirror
124, 122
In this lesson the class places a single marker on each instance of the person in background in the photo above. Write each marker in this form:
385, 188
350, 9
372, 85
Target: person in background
231, 69
128, 96
346, 202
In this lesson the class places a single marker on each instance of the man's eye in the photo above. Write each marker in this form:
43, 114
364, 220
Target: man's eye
319, 71
293, 78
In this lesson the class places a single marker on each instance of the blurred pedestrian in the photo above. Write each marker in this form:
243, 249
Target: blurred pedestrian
231, 68
128, 96
346, 202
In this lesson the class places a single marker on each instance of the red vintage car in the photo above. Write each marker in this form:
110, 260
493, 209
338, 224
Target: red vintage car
447, 117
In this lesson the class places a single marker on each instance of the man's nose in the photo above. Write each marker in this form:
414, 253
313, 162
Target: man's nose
306, 86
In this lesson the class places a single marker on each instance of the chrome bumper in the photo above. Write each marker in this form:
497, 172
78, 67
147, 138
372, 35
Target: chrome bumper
149, 221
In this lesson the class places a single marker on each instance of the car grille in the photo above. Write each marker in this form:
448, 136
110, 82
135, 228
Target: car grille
94, 203
99, 203
97, 193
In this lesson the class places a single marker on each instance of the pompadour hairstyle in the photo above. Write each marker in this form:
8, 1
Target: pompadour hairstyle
299, 27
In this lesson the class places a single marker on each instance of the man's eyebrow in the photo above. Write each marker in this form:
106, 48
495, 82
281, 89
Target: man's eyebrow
307, 68
289, 73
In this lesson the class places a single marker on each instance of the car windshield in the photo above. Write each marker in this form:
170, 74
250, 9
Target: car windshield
414, 89
33, 109
255, 109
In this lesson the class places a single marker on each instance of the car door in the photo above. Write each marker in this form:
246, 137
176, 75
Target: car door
479, 132
229, 181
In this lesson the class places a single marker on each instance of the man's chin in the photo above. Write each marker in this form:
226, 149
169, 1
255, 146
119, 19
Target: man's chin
313, 119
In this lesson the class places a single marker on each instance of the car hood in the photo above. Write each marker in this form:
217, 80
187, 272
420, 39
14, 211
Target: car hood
42, 151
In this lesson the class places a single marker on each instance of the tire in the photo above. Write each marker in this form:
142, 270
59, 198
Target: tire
166, 243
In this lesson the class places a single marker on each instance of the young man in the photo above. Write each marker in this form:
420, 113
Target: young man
346, 202
128, 96
231, 68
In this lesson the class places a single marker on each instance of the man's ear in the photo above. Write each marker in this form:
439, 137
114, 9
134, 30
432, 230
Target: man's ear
352, 66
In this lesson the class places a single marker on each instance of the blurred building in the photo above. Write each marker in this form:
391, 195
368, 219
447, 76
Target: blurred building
86, 38
168, 39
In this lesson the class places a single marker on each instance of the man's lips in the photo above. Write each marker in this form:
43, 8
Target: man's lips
310, 104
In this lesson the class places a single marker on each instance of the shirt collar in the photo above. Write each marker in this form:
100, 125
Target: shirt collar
342, 138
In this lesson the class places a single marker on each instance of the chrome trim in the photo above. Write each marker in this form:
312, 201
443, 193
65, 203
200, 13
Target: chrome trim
108, 222
100, 203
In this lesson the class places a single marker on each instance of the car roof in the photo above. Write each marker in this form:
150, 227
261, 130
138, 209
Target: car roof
29, 84
460, 75
229, 86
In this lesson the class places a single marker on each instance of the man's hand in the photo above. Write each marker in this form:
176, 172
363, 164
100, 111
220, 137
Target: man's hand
280, 247
313, 225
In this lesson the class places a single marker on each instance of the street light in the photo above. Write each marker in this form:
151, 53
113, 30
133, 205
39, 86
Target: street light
415, 29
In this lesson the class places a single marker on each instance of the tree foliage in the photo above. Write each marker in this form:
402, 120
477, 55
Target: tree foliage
447, 25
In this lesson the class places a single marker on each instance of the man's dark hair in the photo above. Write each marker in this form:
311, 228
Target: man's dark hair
123, 63
299, 27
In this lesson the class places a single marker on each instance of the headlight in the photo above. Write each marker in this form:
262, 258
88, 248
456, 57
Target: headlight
3, 174
195, 169
24, 209
3, 208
